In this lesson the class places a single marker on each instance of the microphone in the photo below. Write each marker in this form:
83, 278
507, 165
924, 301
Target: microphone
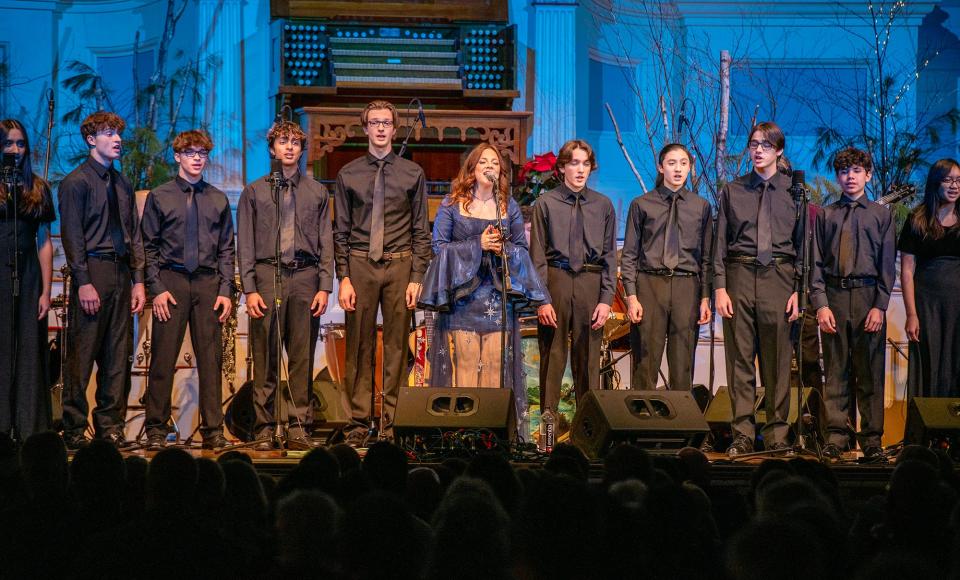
797, 186
276, 174
420, 114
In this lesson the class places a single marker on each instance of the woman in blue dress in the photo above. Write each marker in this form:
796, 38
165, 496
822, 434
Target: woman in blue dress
463, 283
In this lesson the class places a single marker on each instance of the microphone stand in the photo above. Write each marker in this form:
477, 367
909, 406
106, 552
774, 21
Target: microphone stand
801, 197
12, 181
277, 182
505, 284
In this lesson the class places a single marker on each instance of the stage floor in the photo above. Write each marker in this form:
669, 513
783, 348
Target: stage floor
855, 479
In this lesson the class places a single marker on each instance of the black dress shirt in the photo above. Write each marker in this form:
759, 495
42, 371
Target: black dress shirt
406, 225
165, 234
737, 210
875, 252
645, 235
550, 234
85, 223
257, 228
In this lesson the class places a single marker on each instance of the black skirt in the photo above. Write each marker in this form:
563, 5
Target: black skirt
25, 397
934, 367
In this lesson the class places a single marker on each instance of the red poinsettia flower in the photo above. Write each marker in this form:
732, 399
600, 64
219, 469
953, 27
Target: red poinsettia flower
544, 162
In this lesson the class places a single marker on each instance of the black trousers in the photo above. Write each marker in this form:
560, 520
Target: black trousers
105, 338
671, 308
299, 338
759, 332
195, 295
854, 360
574, 298
380, 285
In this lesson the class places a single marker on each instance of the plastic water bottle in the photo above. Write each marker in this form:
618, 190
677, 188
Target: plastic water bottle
548, 431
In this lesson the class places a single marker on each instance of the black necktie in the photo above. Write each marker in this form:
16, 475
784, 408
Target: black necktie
376, 219
288, 227
764, 246
576, 235
191, 246
113, 217
846, 242
671, 241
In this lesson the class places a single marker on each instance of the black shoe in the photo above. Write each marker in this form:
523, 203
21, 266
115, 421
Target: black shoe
356, 438
778, 446
118, 440
832, 452
156, 442
707, 445
75, 442
215, 442
874, 454
299, 444
741, 444
264, 444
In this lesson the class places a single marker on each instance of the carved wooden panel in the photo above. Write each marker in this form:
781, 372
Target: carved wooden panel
330, 127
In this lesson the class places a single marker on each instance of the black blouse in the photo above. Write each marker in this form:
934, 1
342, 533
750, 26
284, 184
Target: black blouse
928, 248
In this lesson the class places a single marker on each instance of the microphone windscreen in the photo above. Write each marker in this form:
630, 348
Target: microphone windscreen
798, 177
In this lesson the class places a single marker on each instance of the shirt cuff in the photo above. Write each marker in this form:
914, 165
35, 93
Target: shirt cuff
249, 284
606, 298
343, 272
818, 300
719, 282
81, 277
157, 288
416, 277
881, 302
225, 289
326, 284
138, 276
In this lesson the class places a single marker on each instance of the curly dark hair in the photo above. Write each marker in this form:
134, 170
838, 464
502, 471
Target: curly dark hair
852, 156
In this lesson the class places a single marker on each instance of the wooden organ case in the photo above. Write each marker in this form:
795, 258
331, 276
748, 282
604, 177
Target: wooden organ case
458, 58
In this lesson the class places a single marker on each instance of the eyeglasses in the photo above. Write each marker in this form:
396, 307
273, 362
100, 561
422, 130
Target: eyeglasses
201, 153
948, 181
763, 145
384, 124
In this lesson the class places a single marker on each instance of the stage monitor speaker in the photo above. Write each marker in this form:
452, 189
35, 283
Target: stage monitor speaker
720, 413
932, 419
650, 419
328, 403
428, 410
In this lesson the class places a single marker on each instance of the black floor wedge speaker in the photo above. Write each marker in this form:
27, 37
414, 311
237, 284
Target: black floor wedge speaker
650, 419
933, 419
427, 411
719, 413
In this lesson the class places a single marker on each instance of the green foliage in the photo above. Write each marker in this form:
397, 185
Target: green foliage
144, 160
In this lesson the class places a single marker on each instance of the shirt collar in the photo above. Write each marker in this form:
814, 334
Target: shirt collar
97, 168
571, 196
756, 181
860, 201
389, 158
185, 185
666, 192
294, 180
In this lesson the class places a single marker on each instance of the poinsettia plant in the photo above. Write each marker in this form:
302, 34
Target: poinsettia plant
536, 176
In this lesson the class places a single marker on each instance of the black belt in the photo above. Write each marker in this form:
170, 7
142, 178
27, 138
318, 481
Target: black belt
183, 270
851, 281
387, 256
747, 259
669, 273
296, 264
108, 257
565, 265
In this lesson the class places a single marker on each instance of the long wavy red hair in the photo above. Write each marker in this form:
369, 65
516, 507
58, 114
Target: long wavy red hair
461, 189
